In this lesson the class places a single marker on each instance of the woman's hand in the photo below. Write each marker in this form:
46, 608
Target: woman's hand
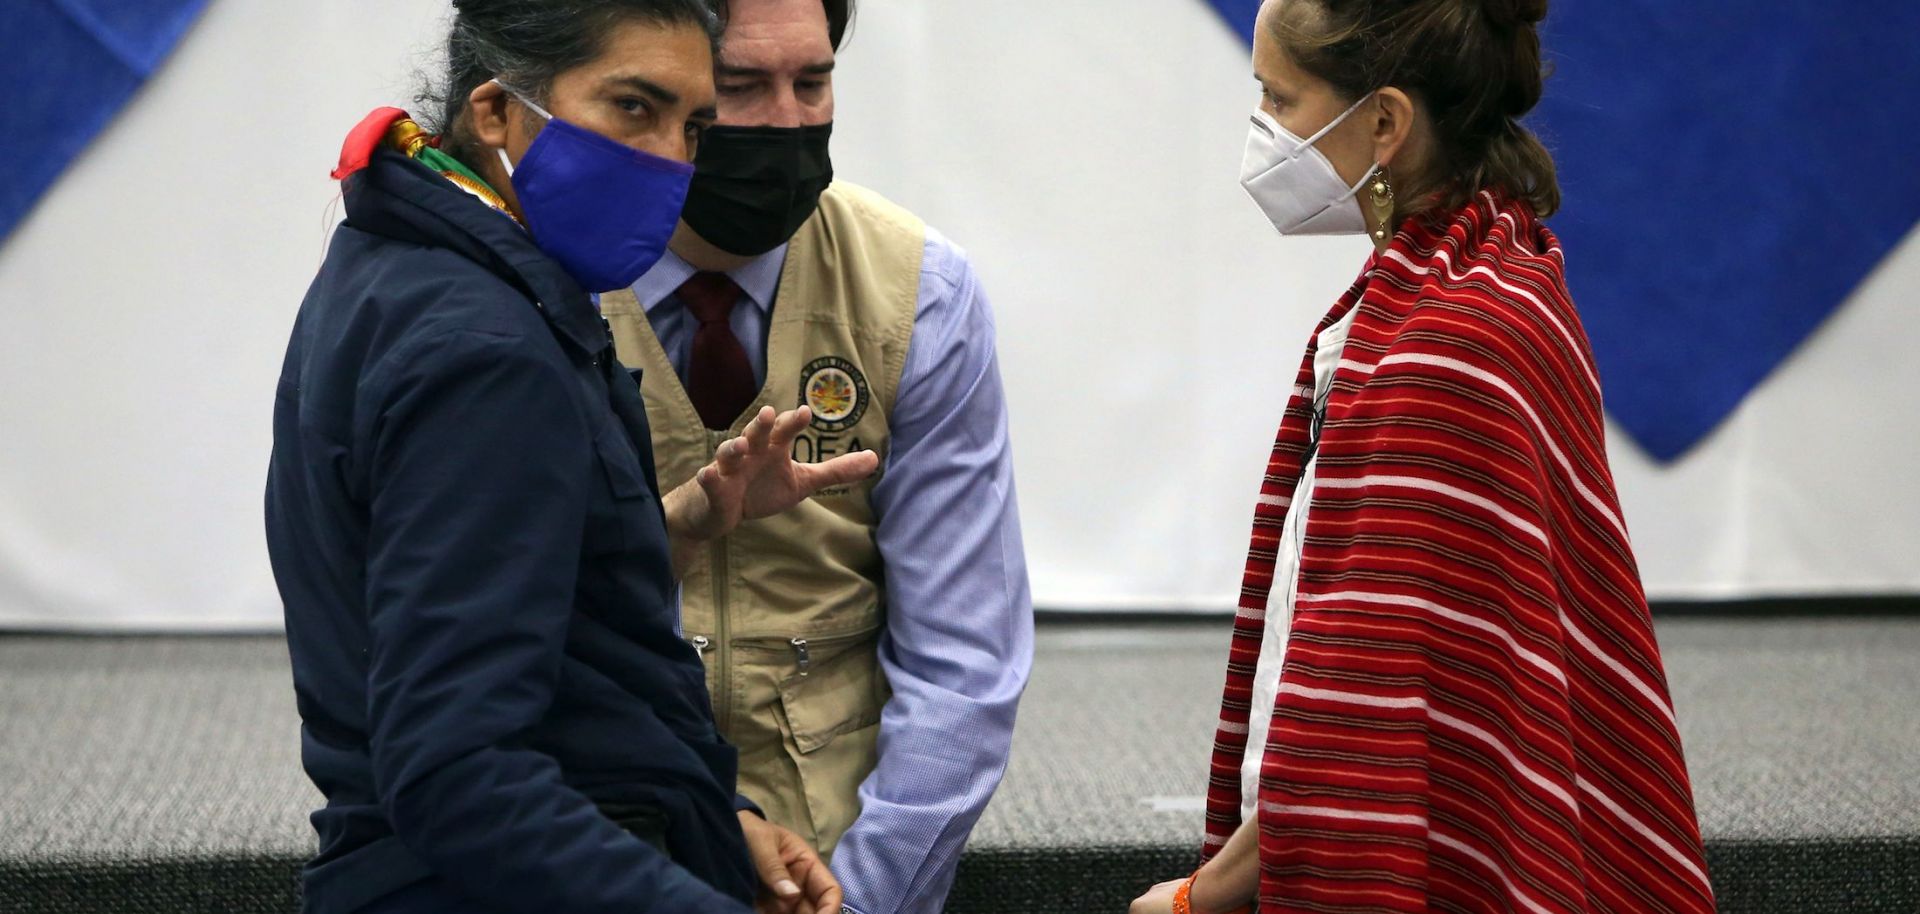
1157, 900
792, 878
754, 476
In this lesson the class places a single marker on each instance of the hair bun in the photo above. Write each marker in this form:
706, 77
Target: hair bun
1515, 13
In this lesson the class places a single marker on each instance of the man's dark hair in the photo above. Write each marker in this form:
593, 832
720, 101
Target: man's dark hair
839, 18
526, 43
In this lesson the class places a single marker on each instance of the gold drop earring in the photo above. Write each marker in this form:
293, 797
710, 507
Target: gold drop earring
1380, 205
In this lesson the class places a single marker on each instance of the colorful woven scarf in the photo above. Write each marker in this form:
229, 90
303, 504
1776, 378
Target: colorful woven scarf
1472, 714
393, 129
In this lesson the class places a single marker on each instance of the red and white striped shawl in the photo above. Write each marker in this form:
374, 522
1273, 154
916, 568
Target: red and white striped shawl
1473, 715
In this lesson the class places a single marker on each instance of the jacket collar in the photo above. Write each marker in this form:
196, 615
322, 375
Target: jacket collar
399, 198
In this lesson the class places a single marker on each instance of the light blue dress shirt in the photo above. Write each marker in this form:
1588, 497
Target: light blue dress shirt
958, 642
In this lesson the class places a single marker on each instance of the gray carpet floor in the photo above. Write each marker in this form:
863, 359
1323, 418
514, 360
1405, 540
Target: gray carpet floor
1793, 729
147, 748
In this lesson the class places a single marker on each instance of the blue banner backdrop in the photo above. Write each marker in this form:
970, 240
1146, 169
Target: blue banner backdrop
1732, 172
66, 68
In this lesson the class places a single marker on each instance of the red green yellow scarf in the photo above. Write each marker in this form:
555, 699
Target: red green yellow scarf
394, 129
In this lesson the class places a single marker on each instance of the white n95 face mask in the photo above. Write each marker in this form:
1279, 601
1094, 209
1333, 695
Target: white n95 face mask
1295, 183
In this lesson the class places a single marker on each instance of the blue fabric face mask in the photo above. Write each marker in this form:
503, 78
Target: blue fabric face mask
604, 211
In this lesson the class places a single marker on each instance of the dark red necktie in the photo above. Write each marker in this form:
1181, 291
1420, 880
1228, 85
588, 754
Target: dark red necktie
719, 377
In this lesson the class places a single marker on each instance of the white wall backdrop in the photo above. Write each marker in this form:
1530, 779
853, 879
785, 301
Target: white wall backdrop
1084, 152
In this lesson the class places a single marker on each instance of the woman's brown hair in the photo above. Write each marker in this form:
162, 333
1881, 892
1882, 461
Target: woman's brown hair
1474, 63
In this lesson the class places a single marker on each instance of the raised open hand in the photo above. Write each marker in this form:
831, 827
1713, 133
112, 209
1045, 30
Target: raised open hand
755, 476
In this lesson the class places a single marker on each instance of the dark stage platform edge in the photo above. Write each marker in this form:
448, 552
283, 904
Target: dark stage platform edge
161, 774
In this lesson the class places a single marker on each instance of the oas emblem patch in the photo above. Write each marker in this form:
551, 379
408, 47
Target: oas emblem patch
836, 391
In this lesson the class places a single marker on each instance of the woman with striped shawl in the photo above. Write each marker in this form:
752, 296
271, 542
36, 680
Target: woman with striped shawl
1444, 692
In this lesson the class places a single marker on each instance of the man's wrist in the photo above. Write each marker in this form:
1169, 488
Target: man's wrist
678, 506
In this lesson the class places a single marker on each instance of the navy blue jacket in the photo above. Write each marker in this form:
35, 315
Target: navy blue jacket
467, 535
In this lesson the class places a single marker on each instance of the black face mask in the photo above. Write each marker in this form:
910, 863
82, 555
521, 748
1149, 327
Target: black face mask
754, 186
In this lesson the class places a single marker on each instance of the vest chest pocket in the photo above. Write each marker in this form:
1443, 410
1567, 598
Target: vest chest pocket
631, 519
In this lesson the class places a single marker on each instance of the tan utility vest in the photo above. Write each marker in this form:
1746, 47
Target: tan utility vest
787, 611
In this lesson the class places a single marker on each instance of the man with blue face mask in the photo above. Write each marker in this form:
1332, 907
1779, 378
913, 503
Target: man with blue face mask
477, 563
865, 651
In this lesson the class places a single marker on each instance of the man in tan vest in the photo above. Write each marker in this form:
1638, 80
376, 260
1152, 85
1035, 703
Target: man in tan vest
866, 650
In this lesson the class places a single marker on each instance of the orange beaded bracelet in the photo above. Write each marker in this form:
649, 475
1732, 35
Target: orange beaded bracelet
1183, 899
1183, 896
